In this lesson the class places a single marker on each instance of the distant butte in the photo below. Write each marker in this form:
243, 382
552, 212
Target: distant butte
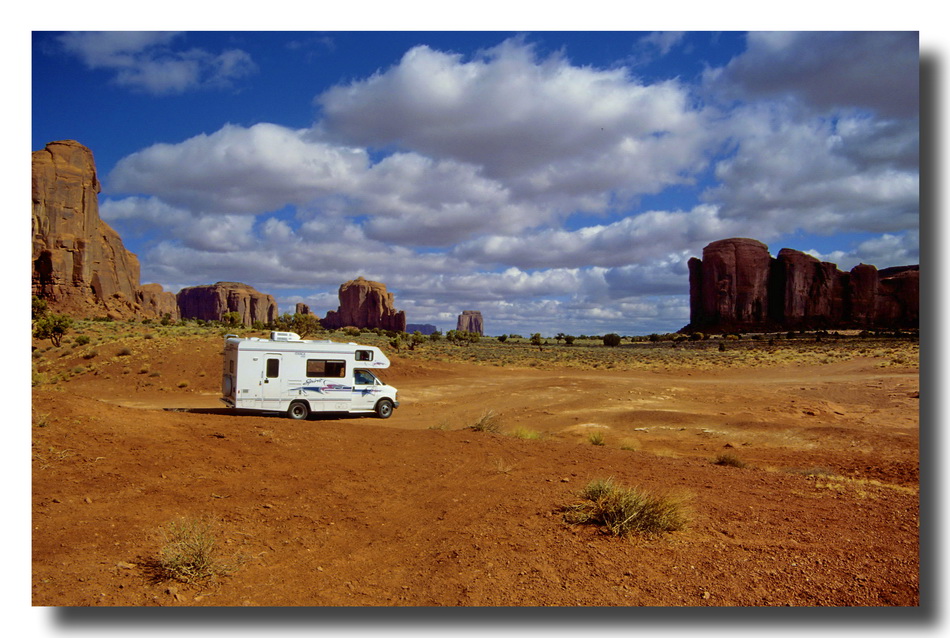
471, 321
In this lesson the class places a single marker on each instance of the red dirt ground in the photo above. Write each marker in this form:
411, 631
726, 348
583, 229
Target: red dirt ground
421, 510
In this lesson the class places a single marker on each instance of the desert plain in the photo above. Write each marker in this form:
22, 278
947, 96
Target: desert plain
795, 461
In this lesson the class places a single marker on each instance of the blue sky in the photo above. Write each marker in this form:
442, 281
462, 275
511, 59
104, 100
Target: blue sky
555, 181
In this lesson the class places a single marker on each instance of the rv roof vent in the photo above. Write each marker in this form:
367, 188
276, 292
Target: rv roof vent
284, 336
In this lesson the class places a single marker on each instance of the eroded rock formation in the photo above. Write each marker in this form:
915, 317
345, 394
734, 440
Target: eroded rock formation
211, 302
365, 304
80, 266
738, 286
154, 301
303, 309
471, 321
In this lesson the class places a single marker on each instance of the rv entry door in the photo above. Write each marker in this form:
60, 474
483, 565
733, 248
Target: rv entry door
271, 386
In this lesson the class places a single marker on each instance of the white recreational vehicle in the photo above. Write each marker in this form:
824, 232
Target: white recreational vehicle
297, 377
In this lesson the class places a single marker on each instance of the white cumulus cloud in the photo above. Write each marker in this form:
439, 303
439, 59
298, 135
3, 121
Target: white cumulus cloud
147, 61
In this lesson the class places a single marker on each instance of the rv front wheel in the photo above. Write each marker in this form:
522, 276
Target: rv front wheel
298, 411
384, 409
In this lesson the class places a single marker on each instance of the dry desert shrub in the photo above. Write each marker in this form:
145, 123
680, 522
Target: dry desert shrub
189, 550
729, 460
623, 511
489, 421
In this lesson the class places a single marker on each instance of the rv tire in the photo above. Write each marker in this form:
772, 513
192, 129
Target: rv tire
298, 410
384, 408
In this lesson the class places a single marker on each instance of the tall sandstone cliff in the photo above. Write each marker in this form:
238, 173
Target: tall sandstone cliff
80, 266
738, 286
211, 302
366, 304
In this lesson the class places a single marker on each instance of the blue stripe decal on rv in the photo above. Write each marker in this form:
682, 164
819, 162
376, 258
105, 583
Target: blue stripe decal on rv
327, 388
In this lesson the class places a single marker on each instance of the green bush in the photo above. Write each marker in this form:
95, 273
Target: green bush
40, 308
612, 340
52, 327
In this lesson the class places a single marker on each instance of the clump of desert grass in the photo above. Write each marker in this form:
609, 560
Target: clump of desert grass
625, 511
596, 438
526, 434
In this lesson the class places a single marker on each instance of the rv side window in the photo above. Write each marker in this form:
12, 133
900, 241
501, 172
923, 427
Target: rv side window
364, 355
326, 368
273, 368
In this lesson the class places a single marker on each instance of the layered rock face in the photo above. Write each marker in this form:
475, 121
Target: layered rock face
471, 321
366, 304
80, 266
210, 303
738, 286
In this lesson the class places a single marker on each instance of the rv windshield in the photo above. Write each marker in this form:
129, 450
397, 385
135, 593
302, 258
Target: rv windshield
365, 377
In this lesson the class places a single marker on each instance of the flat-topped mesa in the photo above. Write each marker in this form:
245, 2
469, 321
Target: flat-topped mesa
738, 286
471, 321
211, 302
365, 304
80, 266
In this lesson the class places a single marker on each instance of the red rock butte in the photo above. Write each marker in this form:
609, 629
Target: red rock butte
739, 286
365, 304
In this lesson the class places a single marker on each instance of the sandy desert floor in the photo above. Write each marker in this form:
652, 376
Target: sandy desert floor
423, 510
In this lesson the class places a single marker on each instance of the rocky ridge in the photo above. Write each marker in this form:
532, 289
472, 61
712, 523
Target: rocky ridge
211, 302
738, 285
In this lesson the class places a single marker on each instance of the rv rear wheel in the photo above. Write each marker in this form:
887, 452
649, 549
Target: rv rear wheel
384, 409
298, 411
